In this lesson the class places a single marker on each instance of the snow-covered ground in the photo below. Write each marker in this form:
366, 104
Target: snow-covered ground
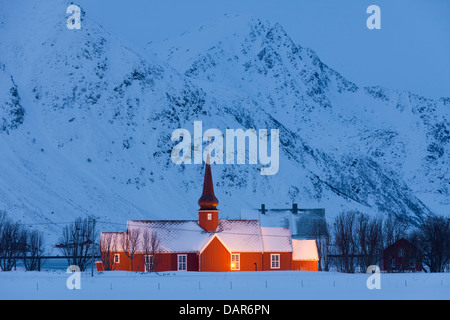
271, 285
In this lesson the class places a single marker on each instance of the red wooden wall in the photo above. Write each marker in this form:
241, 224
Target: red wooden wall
285, 260
215, 257
248, 260
164, 262
208, 225
305, 265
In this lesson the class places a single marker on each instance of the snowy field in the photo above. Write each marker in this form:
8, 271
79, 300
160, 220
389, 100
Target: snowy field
281, 285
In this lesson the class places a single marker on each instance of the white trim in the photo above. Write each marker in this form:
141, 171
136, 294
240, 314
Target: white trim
277, 261
211, 239
148, 261
118, 258
178, 262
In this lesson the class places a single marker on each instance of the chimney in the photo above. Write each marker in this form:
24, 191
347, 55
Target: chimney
208, 215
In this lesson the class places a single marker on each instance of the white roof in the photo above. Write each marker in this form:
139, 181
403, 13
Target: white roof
173, 235
240, 235
188, 236
113, 240
304, 250
276, 239
236, 235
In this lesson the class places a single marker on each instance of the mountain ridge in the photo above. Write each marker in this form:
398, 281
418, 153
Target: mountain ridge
97, 120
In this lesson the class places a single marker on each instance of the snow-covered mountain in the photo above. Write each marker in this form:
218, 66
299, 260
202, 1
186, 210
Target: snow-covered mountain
86, 120
364, 141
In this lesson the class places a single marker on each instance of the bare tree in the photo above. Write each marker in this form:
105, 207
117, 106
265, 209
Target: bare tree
108, 246
12, 241
323, 239
434, 242
16, 243
77, 242
33, 251
344, 240
151, 247
393, 230
369, 240
130, 244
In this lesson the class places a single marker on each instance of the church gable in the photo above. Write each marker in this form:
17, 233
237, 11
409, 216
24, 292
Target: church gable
211, 244
215, 256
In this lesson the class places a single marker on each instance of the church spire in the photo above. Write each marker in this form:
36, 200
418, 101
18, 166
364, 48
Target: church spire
208, 200
208, 215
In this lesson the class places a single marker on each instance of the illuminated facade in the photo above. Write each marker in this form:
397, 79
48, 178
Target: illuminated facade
206, 244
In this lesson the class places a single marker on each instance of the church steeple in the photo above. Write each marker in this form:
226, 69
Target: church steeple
208, 200
208, 215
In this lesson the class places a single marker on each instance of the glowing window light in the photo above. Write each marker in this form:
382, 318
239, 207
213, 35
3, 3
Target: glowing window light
235, 261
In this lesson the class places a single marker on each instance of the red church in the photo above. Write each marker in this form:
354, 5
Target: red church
206, 244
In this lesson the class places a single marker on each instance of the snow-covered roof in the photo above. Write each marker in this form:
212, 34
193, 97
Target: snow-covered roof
236, 235
304, 250
240, 235
173, 235
276, 239
188, 236
112, 240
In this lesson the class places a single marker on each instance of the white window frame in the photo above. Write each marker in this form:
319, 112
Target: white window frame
274, 261
235, 261
148, 258
148, 261
116, 258
182, 265
209, 216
